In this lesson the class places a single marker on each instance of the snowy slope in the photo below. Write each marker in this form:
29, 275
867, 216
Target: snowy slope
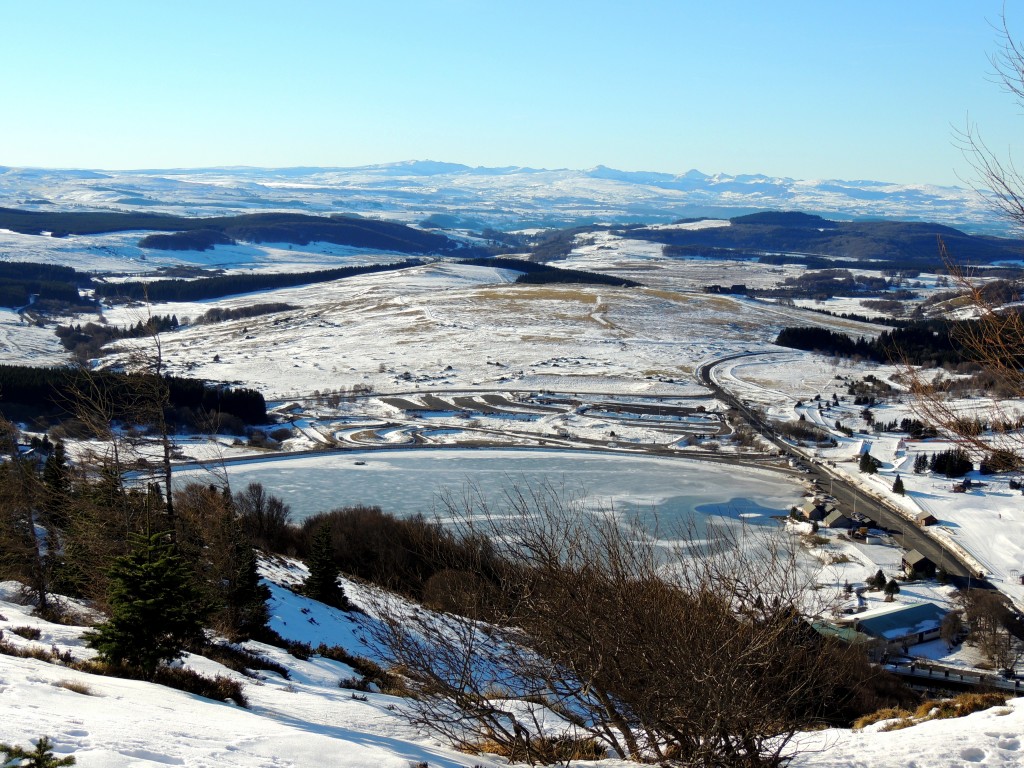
309, 722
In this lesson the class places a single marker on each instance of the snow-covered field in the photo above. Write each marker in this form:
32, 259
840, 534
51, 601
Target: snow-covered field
451, 325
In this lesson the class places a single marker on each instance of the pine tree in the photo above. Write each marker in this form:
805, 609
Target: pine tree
245, 596
156, 610
322, 583
878, 580
40, 757
897, 486
920, 464
891, 589
868, 463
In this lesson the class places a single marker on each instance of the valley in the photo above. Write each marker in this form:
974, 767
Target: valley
439, 382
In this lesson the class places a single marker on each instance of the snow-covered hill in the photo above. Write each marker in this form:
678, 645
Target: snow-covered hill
308, 721
412, 191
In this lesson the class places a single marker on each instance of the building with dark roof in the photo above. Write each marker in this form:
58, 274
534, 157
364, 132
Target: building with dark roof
916, 565
900, 625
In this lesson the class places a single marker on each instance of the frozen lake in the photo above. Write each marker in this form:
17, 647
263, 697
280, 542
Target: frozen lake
407, 482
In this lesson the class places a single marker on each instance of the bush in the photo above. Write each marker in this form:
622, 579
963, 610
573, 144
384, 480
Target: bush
933, 709
29, 633
399, 553
219, 688
888, 713
75, 686
242, 660
547, 750
298, 649
370, 671
960, 706
32, 652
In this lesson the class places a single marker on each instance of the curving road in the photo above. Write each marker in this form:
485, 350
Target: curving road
850, 498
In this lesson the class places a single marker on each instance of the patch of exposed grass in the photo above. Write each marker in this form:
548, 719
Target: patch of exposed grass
74, 686
933, 709
960, 706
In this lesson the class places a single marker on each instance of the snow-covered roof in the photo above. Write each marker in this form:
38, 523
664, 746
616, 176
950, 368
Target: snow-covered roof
900, 621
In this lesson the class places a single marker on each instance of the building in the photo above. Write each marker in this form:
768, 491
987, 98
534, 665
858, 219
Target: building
813, 510
837, 519
900, 625
926, 518
916, 565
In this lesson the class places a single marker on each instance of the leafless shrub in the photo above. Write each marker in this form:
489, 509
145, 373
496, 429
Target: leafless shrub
595, 632
29, 633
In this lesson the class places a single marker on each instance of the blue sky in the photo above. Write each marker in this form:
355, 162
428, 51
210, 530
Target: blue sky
822, 89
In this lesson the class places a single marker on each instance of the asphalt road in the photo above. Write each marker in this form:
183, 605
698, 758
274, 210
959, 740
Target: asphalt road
850, 499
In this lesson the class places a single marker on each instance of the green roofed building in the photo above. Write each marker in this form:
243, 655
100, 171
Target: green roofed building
900, 624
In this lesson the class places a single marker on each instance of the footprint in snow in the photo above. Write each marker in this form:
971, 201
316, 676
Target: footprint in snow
972, 754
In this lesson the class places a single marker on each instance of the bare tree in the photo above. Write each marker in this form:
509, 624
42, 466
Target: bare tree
992, 624
264, 517
994, 339
996, 178
692, 653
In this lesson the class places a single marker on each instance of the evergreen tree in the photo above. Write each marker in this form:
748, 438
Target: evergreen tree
245, 596
920, 464
878, 580
222, 560
56, 484
891, 589
40, 757
868, 463
322, 583
156, 610
897, 486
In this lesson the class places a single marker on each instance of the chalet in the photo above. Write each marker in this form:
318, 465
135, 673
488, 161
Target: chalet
917, 565
926, 518
837, 519
813, 510
900, 625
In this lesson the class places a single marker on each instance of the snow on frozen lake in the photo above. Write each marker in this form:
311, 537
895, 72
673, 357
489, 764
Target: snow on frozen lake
409, 482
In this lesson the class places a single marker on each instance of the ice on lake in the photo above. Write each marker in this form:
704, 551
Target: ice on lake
664, 491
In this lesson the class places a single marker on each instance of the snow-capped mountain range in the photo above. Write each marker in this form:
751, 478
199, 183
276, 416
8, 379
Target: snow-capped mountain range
508, 197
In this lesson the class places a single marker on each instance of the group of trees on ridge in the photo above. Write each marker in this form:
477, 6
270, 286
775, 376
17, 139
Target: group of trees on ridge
534, 273
779, 237
925, 343
86, 341
28, 392
20, 280
297, 228
226, 285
